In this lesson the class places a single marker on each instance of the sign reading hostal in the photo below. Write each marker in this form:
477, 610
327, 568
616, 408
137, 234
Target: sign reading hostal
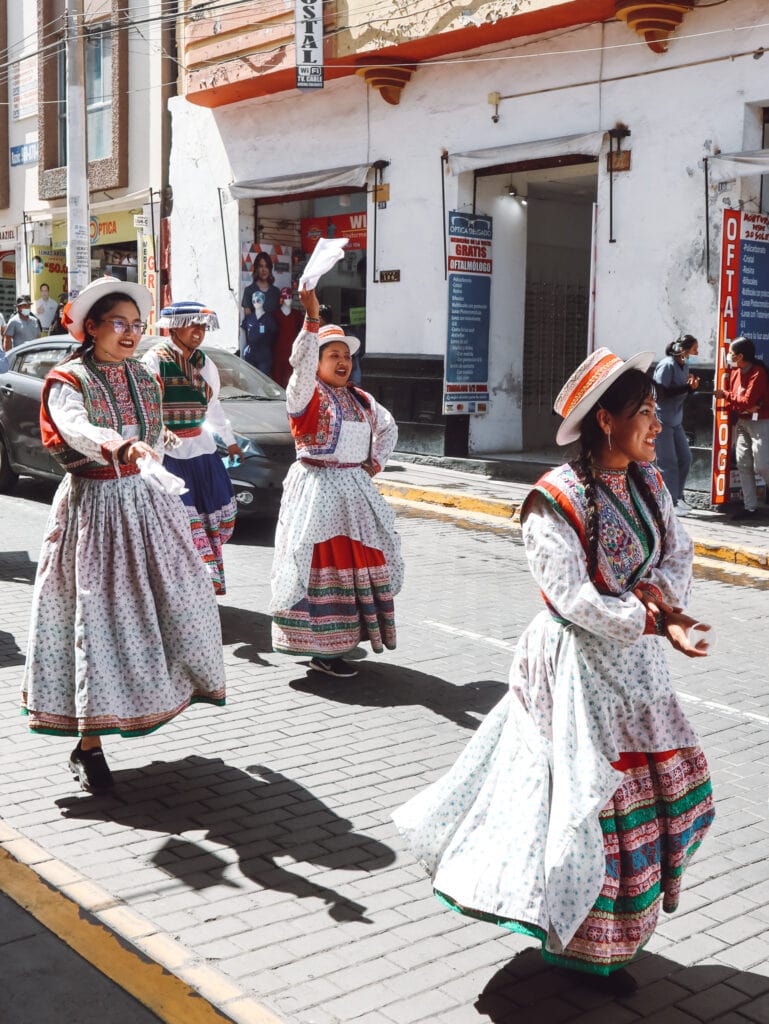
466, 385
308, 38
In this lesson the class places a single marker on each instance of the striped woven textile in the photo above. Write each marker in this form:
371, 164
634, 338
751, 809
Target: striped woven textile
651, 826
348, 600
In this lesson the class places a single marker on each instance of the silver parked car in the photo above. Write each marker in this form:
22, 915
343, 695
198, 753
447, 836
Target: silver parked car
255, 405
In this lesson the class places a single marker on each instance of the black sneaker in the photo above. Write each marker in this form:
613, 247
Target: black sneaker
334, 667
90, 769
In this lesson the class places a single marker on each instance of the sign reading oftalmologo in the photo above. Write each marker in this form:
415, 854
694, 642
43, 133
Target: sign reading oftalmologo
309, 44
466, 385
743, 309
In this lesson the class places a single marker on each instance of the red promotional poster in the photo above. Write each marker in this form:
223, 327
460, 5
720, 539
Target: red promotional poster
344, 225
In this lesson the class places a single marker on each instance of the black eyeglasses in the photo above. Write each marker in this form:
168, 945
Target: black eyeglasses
122, 326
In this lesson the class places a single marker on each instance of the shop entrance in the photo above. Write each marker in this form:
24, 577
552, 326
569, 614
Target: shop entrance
558, 281
288, 229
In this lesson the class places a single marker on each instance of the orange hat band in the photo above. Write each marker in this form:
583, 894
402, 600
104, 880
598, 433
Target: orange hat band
594, 376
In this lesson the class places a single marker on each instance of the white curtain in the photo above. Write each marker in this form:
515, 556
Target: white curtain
728, 166
353, 176
474, 159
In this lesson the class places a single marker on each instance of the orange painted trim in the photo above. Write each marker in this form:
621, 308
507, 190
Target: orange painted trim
265, 83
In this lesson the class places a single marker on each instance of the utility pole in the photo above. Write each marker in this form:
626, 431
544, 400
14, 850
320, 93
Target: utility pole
78, 215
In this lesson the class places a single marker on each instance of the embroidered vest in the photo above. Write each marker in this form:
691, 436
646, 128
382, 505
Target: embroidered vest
185, 393
102, 410
626, 548
316, 430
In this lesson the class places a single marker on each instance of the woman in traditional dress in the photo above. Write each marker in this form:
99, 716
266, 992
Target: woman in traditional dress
125, 628
572, 812
673, 384
193, 413
337, 559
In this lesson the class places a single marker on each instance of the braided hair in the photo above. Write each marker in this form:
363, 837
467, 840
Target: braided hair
624, 398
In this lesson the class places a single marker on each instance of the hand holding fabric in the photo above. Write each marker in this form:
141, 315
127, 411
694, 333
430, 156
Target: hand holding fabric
326, 253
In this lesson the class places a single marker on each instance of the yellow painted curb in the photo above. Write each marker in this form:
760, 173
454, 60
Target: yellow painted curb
168, 996
736, 555
449, 499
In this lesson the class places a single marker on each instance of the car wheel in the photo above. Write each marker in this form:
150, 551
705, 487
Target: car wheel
7, 476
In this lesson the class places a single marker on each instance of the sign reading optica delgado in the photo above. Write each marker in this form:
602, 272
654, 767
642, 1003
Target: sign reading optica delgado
466, 376
308, 39
743, 309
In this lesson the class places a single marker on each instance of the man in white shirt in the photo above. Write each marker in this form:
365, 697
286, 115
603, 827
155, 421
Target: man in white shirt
45, 308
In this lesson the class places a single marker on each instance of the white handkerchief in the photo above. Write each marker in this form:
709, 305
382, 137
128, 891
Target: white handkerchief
156, 475
326, 253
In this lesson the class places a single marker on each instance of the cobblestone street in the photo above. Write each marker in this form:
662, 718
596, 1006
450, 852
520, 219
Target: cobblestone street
258, 837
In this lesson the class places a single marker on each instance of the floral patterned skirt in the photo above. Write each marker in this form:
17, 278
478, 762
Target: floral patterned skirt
653, 823
125, 628
349, 599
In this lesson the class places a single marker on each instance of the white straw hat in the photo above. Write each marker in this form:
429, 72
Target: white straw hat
592, 378
76, 312
332, 332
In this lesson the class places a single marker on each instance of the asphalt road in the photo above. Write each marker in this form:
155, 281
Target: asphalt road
259, 839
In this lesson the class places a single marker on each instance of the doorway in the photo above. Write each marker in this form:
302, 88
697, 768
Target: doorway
557, 332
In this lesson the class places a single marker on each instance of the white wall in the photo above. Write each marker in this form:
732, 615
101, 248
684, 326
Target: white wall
650, 283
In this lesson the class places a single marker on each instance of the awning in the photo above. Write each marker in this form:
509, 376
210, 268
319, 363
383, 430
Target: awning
588, 144
353, 176
728, 166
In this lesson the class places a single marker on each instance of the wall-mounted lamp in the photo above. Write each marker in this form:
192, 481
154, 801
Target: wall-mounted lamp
493, 100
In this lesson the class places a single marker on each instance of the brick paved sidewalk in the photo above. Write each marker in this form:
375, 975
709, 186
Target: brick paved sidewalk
255, 842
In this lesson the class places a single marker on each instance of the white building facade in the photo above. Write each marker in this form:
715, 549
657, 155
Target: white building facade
611, 248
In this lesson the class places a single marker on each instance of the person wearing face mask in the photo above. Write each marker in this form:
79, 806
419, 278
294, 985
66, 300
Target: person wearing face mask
22, 326
261, 332
289, 321
747, 398
673, 384
337, 563
193, 413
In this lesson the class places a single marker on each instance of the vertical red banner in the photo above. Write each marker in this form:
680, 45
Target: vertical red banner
727, 331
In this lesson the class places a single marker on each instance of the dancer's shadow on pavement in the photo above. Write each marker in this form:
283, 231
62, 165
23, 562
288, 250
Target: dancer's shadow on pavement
261, 815
17, 567
387, 686
529, 991
10, 653
250, 629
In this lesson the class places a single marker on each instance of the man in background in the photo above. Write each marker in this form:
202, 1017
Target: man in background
23, 325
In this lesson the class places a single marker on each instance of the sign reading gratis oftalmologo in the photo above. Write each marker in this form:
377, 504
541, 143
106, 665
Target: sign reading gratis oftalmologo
466, 374
743, 310
308, 39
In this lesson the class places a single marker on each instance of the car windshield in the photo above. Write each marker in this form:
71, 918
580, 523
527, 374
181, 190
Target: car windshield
238, 378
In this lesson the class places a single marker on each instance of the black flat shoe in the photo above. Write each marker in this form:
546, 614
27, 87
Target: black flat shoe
90, 769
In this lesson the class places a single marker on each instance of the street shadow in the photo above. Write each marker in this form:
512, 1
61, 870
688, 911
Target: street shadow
10, 652
36, 489
381, 685
17, 567
529, 991
256, 530
259, 814
250, 629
